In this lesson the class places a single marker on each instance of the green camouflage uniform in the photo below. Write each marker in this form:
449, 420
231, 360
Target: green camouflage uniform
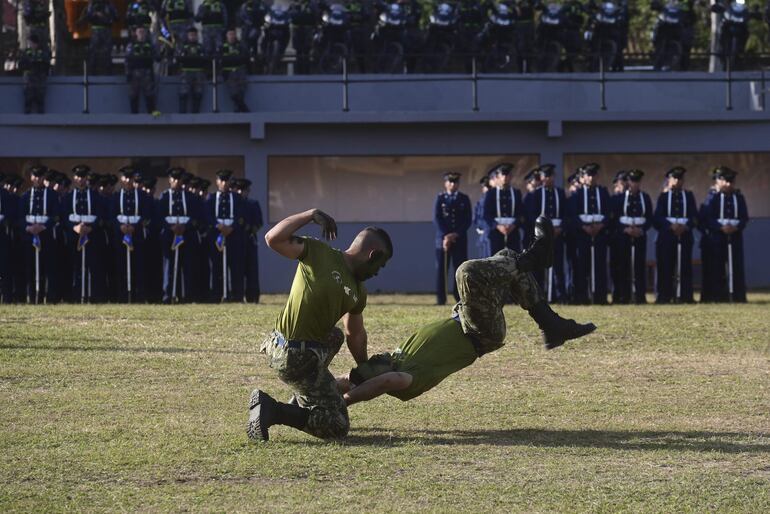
484, 285
306, 371
444, 347
323, 291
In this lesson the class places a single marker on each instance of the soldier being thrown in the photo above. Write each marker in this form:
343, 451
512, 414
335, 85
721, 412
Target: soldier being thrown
328, 286
477, 325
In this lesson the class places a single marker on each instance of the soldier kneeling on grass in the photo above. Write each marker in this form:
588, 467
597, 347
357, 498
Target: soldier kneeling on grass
141, 54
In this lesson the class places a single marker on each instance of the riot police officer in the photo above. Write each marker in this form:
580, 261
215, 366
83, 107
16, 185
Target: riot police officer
179, 17
36, 15
452, 219
235, 58
141, 55
251, 16
101, 15
212, 14
35, 62
192, 60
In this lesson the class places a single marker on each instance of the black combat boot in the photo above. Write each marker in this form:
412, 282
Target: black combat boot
557, 330
265, 411
539, 255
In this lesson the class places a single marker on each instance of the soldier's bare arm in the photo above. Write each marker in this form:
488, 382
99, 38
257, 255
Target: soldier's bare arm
281, 237
377, 386
355, 335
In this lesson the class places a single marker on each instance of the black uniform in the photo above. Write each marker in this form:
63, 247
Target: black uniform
193, 61
35, 63
140, 56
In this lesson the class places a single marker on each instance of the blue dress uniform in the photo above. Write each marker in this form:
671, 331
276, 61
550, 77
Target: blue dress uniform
674, 253
39, 205
88, 252
131, 207
482, 243
8, 208
227, 254
549, 202
451, 214
726, 273
586, 206
503, 203
630, 254
177, 207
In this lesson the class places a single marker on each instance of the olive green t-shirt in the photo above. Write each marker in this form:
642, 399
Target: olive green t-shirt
323, 291
431, 354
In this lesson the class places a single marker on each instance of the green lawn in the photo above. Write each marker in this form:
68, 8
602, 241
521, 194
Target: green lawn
144, 408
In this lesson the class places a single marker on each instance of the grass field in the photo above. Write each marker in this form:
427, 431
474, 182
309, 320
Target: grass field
126, 408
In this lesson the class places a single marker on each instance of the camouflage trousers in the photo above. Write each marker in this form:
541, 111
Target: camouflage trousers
306, 370
484, 286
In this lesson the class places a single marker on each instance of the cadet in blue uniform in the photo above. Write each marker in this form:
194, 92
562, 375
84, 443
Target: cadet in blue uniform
130, 211
39, 210
675, 219
504, 212
631, 219
573, 184
153, 283
13, 186
452, 218
549, 201
226, 215
482, 243
619, 186
254, 223
726, 216
178, 227
84, 216
8, 210
587, 217
707, 293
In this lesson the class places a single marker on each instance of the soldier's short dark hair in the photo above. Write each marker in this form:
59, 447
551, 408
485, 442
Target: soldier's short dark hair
382, 236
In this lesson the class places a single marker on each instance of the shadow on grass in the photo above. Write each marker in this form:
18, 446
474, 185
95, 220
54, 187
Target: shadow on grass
702, 441
135, 349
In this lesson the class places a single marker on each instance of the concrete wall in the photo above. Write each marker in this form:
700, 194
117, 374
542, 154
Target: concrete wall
301, 117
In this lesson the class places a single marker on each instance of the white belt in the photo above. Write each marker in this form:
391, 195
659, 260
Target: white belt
556, 222
632, 221
177, 220
225, 221
678, 221
37, 219
505, 221
729, 221
592, 218
129, 220
82, 218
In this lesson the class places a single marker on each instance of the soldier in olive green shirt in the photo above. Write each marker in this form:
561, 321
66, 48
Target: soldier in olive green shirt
476, 328
328, 286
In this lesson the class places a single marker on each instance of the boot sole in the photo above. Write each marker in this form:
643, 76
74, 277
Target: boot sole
254, 428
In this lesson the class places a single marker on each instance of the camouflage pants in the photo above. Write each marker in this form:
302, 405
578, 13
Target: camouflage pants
484, 286
141, 81
306, 371
100, 52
